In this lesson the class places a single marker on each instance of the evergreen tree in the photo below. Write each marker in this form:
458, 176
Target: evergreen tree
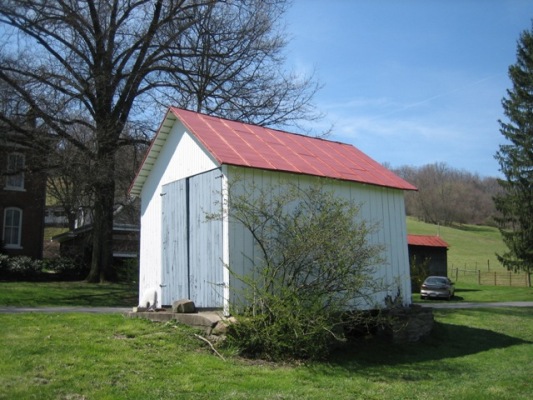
516, 163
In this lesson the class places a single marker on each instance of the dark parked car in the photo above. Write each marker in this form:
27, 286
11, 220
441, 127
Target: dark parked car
437, 287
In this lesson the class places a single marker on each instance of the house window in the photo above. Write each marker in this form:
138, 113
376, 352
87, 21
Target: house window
12, 228
15, 171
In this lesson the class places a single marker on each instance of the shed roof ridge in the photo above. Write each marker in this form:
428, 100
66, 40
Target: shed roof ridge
267, 128
426, 240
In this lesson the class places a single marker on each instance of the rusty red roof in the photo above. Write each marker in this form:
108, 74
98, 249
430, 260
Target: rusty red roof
425, 240
246, 145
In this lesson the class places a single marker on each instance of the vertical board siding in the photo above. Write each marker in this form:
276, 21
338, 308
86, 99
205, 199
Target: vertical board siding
174, 272
379, 206
225, 242
150, 248
205, 240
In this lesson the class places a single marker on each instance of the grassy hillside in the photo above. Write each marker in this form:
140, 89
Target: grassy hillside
471, 246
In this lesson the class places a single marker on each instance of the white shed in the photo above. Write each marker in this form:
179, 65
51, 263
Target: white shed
185, 174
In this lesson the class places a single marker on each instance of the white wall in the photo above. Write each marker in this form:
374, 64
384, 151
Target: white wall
383, 206
181, 156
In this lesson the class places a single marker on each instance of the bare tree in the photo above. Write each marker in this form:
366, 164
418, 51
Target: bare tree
69, 174
447, 195
68, 182
103, 64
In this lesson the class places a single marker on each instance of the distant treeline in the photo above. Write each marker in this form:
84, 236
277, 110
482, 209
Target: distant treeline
449, 196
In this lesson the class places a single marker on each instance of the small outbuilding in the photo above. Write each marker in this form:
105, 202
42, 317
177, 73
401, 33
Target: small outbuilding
185, 176
430, 249
77, 244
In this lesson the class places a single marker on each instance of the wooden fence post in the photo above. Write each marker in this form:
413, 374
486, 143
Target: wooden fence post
479, 277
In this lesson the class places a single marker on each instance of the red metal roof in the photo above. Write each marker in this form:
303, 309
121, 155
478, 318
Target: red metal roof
237, 143
246, 145
424, 240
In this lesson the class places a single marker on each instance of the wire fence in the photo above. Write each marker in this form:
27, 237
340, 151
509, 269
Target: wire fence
496, 278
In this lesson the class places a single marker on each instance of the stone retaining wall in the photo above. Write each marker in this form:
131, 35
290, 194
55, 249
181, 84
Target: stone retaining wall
409, 324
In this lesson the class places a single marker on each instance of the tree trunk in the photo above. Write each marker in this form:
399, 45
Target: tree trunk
102, 246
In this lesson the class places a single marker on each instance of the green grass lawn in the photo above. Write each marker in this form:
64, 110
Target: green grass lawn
473, 354
37, 294
51, 231
67, 294
467, 292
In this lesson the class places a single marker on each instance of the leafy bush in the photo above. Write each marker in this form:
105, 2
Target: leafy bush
315, 264
22, 267
290, 330
128, 271
66, 268
4, 264
419, 272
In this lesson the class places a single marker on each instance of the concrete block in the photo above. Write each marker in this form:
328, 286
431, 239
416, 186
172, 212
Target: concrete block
184, 306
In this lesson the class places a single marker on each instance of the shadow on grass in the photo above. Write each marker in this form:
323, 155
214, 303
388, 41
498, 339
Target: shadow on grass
101, 295
447, 341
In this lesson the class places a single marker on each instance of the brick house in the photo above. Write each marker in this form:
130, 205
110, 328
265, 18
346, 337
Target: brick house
22, 200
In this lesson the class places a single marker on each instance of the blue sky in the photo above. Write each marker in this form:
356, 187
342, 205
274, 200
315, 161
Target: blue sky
411, 82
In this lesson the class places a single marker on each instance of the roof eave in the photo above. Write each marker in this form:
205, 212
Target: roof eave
152, 154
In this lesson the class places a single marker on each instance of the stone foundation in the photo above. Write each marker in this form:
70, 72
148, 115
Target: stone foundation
404, 324
185, 312
409, 324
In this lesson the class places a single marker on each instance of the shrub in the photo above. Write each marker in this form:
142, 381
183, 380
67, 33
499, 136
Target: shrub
4, 264
128, 271
23, 267
289, 330
65, 268
419, 272
315, 264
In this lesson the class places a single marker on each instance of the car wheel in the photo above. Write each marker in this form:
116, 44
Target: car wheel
422, 297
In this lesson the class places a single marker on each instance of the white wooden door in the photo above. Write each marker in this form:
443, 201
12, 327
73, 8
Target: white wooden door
205, 240
192, 244
174, 279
